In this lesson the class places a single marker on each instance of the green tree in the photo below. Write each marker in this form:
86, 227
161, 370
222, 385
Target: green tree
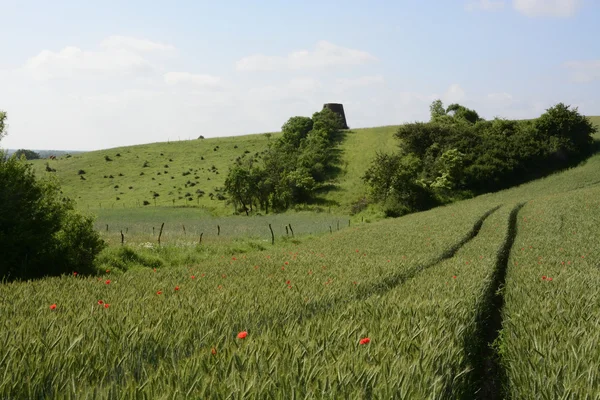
40, 233
2, 124
436, 110
459, 112
570, 132
296, 129
28, 154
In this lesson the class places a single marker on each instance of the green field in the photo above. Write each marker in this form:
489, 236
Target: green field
168, 162
429, 290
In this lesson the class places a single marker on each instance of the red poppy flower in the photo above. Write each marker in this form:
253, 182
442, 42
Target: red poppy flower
213, 351
549, 279
357, 250
242, 335
74, 273
233, 258
365, 341
159, 292
223, 276
283, 268
454, 276
107, 282
53, 306
287, 283
108, 271
154, 269
106, 305
100, 302
543, 277
176, 288
192, 277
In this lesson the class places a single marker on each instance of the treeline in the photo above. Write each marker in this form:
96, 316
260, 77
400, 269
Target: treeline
292, 169
459, 155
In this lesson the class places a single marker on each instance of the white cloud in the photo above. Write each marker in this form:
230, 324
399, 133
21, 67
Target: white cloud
197, 80
584, 71
324, 55
117, 55
486, 5
549, 8
71, 61
134, 44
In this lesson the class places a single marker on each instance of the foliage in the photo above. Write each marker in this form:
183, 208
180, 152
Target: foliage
28, 154
2, 124
40, 234
292, 168
457, 154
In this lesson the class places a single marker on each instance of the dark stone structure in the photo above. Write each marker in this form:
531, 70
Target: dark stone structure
338, 109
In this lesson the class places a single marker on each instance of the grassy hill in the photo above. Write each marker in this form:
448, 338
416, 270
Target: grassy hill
175, 169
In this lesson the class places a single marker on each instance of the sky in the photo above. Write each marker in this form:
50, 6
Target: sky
78, 75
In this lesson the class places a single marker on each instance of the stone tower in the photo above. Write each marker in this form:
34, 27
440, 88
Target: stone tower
339, 110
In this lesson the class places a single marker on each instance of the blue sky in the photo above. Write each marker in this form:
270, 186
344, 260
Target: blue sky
82, 75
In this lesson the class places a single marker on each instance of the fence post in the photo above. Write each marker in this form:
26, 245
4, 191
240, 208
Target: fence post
291, 230
200, 241
160, 234
122, 238
272, 235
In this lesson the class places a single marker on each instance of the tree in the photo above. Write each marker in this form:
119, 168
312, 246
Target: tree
462, 113
28, 154
328, 123
40, 233
296, 129
2, 124
570, 132
436, 110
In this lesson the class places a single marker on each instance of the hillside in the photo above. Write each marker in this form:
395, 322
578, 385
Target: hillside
176, 171
401, 308
179, 168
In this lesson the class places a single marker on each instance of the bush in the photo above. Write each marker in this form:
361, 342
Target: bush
29, 154
40, 233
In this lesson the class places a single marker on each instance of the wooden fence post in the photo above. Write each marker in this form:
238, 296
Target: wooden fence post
160, 234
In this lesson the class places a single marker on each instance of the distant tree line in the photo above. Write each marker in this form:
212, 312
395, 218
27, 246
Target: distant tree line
458, 154
28, 154
292, 169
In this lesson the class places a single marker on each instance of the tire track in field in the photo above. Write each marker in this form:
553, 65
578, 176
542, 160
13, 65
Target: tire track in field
481, 348
390, 282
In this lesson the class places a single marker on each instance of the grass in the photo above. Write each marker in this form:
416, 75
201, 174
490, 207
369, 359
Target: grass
550, 336
423, 288
102, 187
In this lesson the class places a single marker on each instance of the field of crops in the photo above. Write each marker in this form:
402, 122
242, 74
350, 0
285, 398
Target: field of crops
404, 308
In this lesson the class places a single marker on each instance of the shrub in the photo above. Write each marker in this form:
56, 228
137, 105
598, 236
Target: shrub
107, 158
29, 154
40, 233
81, 172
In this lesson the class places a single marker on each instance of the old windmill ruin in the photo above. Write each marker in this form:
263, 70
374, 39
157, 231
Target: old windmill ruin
339, 110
